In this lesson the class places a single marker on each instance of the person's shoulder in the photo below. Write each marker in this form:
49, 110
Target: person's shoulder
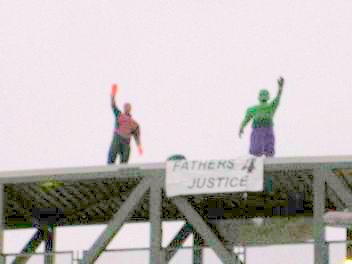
252, 109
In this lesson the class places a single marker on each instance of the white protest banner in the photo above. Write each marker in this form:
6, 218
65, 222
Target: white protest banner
244, 174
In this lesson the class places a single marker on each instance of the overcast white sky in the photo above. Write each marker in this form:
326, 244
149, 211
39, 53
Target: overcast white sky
189, 67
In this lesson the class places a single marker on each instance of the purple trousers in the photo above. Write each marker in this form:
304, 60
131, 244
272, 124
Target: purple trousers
262, 142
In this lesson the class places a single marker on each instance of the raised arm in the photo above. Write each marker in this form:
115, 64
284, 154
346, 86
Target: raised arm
245, 121
276, 101
113, 103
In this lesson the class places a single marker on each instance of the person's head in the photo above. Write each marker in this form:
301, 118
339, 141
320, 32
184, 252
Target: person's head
127, 108
264, 96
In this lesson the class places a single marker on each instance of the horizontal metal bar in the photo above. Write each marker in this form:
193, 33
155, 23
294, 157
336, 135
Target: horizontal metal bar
266, 244
334, 218
119, 171
39, 254
259, 244
57, 172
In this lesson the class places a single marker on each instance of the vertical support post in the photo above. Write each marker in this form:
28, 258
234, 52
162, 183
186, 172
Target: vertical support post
163, 256
244, 253
198, 244
321, 250
349, 246
2, 196
155, 221
49, 244
268, 180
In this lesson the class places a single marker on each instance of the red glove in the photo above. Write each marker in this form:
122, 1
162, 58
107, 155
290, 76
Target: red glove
114, 89
140, 150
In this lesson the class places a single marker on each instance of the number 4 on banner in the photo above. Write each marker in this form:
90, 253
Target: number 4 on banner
249, 165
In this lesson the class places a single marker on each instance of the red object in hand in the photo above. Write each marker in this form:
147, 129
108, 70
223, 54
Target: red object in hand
114, 89
140, 150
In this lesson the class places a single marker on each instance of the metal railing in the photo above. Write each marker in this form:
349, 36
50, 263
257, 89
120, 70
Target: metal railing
184, 255
63, 257
295, 252
289, 252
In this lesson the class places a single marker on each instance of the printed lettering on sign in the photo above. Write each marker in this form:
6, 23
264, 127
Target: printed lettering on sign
214, 176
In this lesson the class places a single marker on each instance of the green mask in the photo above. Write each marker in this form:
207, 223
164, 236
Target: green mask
264, 96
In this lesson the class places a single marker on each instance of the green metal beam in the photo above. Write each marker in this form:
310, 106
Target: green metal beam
2, 211
198, 245
30, 247
178, 241
205, 231
321, 254
118, 220
340, 188
155, 210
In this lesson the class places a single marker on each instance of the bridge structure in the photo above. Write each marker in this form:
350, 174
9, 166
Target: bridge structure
119, 194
